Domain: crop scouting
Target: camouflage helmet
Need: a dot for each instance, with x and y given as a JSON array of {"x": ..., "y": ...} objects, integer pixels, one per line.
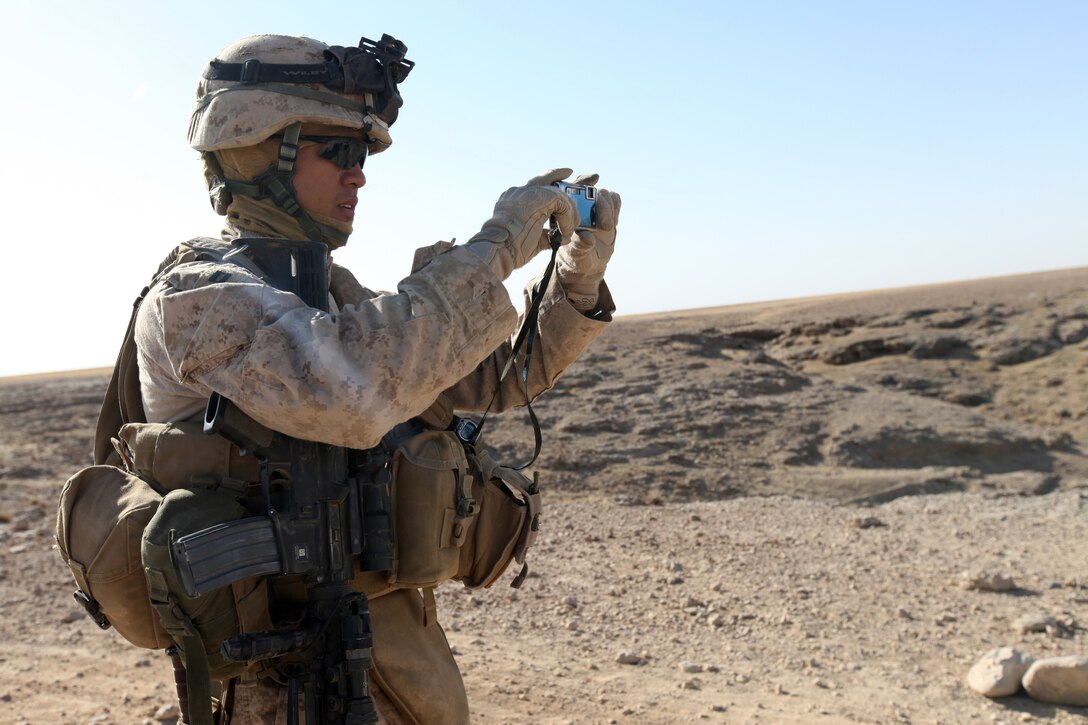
[
  {"x": 262, "y": 84},
  {"x": 265, "y": 88}
]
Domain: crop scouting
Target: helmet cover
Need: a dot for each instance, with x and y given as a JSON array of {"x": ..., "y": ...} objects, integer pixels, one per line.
[{"x": 259, "y": 85}]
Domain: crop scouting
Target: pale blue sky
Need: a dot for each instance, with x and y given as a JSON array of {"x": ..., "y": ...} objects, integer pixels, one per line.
[{"x": 763, "y": 149}]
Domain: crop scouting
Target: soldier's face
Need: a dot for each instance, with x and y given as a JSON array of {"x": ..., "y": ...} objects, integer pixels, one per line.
[{"x": 322, "y": 187}]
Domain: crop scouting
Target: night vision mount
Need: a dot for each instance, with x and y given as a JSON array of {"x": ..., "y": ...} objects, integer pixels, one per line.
[{"x": 373, "y": 68}]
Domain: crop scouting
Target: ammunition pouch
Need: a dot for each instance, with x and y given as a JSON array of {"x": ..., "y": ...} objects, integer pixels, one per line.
[
  {"x": 114, "y": 531},
  {"x": 433, "y": 509},
  {"x": 458, "y": 514},
  {"x": 200, "y": 624}
]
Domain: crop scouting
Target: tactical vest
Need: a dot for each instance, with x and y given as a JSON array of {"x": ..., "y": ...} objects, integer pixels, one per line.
[{"x": 455, "y": 514}]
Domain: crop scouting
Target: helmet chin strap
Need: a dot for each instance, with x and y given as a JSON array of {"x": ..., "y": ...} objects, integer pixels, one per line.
[{"x": 275, "y": 184}]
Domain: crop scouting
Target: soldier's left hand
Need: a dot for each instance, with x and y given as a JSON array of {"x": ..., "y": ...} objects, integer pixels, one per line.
[{"x": 580, "y": 265}]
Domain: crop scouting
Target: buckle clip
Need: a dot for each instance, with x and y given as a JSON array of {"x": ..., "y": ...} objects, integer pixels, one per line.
[
  {"x": 92, "y": 608},
  {"x": 467, "y": 507},
  {"x": 251, "y": 70}
]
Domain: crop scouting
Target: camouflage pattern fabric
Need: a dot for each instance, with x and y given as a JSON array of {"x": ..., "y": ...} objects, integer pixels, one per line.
[
  {"x": 228, "y": 114},
  {"x": 348, "y": 377},
  {"x": 264, "y": 702},
  {"x": 259, "y": 702}
]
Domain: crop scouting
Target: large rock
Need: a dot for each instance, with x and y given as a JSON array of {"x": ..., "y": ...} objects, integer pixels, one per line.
[
  {"x": 865, "y": 349},
  {"x": 999, "y": 672},
  {"x": 1016, "y": 350},
  {"x": 1072, "y": 332},
  {"x": 1059, "y": 681},
  {"x": 1034, "y": 622},
  {"x": 987, "y": 581}
]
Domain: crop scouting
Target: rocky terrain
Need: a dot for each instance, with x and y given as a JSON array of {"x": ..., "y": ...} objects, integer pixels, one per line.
[{"x": 821, "y": 510}]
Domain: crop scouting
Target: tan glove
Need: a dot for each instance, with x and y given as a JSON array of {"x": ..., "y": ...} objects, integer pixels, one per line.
[
  {"x": 516, "y": 231},
  {"x": 580, "y": 264}
]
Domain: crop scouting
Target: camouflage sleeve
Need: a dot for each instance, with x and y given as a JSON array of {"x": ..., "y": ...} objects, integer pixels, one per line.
[
  {"x": 343, "y": 378},
  {"x": 563, "y": 333}
]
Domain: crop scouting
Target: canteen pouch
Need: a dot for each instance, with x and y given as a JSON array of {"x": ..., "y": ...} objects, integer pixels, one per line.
[
  {"x": 505, "y": 527},
  {"x": 433, "y": 509},
  {"x": 100, "y": 523}
]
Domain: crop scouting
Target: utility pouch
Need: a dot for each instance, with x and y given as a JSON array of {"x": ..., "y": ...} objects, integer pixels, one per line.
[
  {"x": 100, "y": 522},
  {"x": 179, "y": 455},
  {"x": 104, "y": 510},
  {"x": 199, "y": 624},
  {"x": 505, "y": 527},
  {"x": 433, "y": 509}
]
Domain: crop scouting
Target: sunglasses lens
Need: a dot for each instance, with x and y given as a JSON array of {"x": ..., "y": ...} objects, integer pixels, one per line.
[{"x": 345, "y": 153}]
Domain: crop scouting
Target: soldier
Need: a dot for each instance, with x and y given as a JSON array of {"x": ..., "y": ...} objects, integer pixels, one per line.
[{"x": 284, "y": 159}]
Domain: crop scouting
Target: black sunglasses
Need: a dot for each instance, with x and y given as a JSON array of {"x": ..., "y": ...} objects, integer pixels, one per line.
[{"x": 343, "y": 151}]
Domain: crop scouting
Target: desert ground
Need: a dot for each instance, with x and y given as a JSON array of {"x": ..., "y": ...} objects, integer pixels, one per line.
[{"x": 769, "y": 513}]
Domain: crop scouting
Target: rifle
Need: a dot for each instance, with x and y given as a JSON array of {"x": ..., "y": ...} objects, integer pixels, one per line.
[{"x": 324, "y": 508}]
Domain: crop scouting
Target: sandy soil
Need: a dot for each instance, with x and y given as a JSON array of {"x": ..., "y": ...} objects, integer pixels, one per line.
[{"x": 770, "y": 508}]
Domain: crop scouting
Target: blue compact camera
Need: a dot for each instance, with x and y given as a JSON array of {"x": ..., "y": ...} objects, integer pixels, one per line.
[{"x": 585, "y": 197}]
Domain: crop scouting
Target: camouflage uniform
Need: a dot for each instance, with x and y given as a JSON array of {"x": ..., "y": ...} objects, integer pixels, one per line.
[{"x": 345, "y": 377}]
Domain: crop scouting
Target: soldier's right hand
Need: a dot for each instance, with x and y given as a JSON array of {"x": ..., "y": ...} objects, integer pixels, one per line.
[{"x": 516, "y": 231}]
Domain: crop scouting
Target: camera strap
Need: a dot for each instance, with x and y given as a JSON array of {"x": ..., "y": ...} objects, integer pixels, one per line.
[{"x": 526, "y": 336}]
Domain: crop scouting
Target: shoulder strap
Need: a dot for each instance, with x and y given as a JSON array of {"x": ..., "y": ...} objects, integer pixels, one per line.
[{"x": 122, "y": 403}]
